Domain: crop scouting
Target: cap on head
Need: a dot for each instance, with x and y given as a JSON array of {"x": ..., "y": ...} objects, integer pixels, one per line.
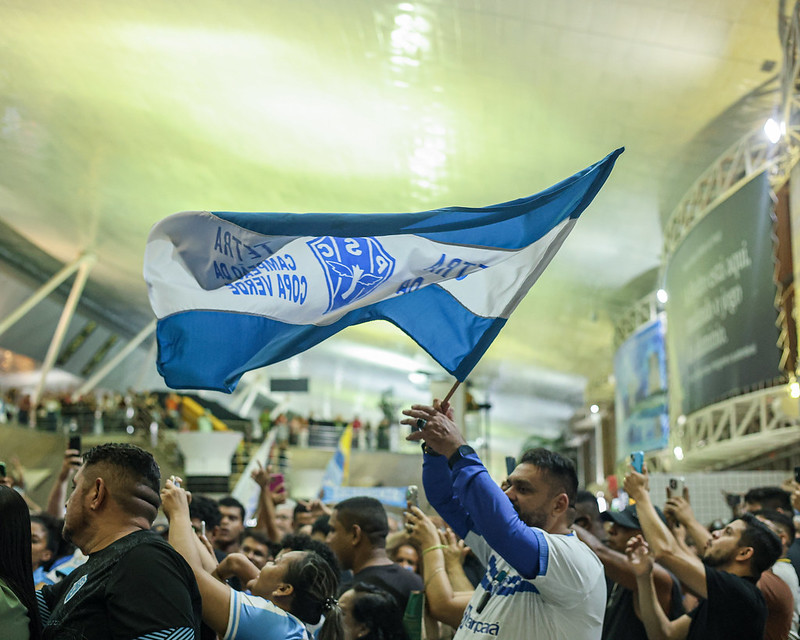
[{"x": 628, "y": 517}]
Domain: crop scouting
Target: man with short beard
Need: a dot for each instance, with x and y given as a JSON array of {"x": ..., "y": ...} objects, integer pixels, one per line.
[
  {"x": 541, "y": 581},
  {"x": 733, "y": 559},
  {"x": 134, "y": 584}
]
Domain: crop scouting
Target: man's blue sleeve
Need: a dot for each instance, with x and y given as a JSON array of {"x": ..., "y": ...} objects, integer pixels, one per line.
[
  {"x": 494, "y": 518},
  {"x": 439, "y": 492}
]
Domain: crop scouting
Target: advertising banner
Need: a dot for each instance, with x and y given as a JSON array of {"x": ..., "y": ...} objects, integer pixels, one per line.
[
  {"x": 640, "y": 369},
  {"x": 722, "y": 333}
]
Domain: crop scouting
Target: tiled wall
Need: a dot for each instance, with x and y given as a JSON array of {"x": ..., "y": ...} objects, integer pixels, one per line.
[{"x": 705, "y": 489}]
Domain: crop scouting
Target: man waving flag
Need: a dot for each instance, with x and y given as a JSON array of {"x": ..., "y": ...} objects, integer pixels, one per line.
[{"x": 239, "y": 291}]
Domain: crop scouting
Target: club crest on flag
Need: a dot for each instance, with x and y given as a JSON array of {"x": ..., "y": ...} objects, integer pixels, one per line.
[{"x": 353, "y": 267}]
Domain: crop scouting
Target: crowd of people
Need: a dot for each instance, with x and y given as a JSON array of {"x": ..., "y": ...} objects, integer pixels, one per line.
[{"x": 130, "y": 554}]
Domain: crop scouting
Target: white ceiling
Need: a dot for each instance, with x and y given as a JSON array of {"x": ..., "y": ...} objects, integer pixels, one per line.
[{"x": 113, "y": 116}]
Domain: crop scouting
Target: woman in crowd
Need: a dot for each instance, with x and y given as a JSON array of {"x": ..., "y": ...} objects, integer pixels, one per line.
[
  {"x": 370, "y": 613},
  {"x": 403, "y": 551},
  {"x": 296, "y": 590},
  {"x": 19, "y": 615}
]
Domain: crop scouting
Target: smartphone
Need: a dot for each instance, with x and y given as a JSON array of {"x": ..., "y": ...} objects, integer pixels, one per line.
[
  {"x": 511, "y": 464},
  {"x": 797, "y": 474},
  {"x": 202, "y": 527},
  {"x": 2, "y": 469},
  {"x": 733, "y": 499},
  {"x": 637, "y": 460},
  {"x": 412, "y": 495},
  {"x": 275, "y": 480},
  {"x": 676, "y": 486},
  {"x": 75, "y": 442}
]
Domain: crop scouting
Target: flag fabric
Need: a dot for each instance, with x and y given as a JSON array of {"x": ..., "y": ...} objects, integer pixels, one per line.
[
  {"x": 337, "y": 473},
  {"x": 239, "y": 291}
]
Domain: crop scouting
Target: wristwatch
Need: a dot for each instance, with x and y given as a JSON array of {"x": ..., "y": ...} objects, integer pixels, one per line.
[{"x": 460, "y": 453}]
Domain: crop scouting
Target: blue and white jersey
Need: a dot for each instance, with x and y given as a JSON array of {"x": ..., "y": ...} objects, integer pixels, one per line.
[
  {"x": 543, "y": 586},
  {"x": 254, "y": 618},
  {"x": 566, "y": 600}
]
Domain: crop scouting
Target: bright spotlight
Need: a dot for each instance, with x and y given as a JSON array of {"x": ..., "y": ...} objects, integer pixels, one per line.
[
  {"x": 594, "y": 409},
  {"x": 417, "y": 377},
  {"x": 772, "y": 130},
  {"x": 678, "y": 451},
  {"x": 662, "y": 296},
  {"x": 794, "y": 389}
]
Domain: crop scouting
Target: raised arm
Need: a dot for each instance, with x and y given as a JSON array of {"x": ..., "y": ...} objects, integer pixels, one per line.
[
  {"x": 436, "y": 478},
  {"x": 489, "y": 512},
  {"x": 618, "y": 568},
  {"x": 58, "y": 493},
  {"x": 655, "y": 621},
  {"x": 680, "y": 509},
  {"x": 265, "y": 513},
  {"x": 215, "y": 594},
  {"x": 445, "y": 604},
  {"x": 662, "y": 544}
]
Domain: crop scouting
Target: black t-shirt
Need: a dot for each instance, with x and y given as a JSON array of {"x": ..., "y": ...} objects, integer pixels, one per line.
[
  {"x": 734, "y": 608},
  {"x": 622, "y": 623},
  {"x": 137, "y": 586},
  {"x": 393, "y": 578}
]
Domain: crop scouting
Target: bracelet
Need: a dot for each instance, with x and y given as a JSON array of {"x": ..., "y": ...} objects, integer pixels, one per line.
[
  {"x": 430, "y": 577},
  {"x": 434, "y": 547}
]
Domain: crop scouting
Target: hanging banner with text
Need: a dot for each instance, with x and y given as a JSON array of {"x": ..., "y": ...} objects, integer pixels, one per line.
[
  {"x": 722, "y": 337},
  {"x": 640, "y": 370}
]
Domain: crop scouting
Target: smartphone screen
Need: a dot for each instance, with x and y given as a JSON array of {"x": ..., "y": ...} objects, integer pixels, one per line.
[
  {"x": 75, "y": 442},
  {"x": 412, "y": 495},
  {"x": 275, "y": 480}
]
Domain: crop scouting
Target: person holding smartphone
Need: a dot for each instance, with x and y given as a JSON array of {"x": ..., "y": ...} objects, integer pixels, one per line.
[
  {"x": 725, "y": 578},
  {"x": 134, "y": 584},
  {"x": 541, "y": 581}
]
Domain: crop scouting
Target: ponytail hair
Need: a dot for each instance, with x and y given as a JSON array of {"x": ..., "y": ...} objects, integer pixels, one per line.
[{"x": 315, "y": 584}]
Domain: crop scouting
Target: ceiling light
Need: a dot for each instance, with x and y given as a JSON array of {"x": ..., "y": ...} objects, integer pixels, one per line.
[
  {"x": 773, "y": 130},
  {"x": 794, "y": 388},
  {"x": 678, "y": 452},
  {"x": 405, "y": 6},
  {"x": 594, "y": 409},
  {"x": 417, "y": 377},
  {"x": 662, "y": 296}
]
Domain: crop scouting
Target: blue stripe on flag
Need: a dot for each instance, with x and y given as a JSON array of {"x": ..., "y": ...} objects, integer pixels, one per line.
[
  {"x": 502, "y": 226},
  {"x": 212, "y": 349}
]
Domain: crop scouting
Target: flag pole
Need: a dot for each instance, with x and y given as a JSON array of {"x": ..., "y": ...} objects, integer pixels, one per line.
[{"x": 451, "y": 392}]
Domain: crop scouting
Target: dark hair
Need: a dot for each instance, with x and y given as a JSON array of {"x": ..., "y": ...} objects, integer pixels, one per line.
[
  {"x": 300, "y": 508},
  {"x": 257, "y": 535},
  {"x": 560, "y": 470},
  {"x": 135, "y": 479},
  {"x": 770, "y": 498},
  {"x": 322, "y": 525},
  {"x": 302, "y": 542},
  {"x": 780, "y": 520},
  {"x": 315, "y": 585},
  {"x": 15, "y": 555},
  {"x": 767, "y": 547},
  {"x": 379, "y": 612},
  {"x": 206, "y": 510},
  {"x": 53, "y": 532},
  {"x": 230, "y": 501},
  {"x": 369, "y": 514}
]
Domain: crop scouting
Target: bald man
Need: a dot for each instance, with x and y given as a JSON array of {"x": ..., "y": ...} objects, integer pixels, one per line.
[{"x": 134, "y": 584}]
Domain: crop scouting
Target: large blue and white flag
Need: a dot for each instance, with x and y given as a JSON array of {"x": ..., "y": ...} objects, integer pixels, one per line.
[{"x": 238, "y": 291}]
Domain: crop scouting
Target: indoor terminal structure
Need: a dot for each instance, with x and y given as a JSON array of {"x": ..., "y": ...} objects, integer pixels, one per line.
[{"x": 665, "y": 324}]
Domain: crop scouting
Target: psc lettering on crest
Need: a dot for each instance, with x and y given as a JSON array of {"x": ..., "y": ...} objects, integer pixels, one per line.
[{"x": 354, "y": 267}]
